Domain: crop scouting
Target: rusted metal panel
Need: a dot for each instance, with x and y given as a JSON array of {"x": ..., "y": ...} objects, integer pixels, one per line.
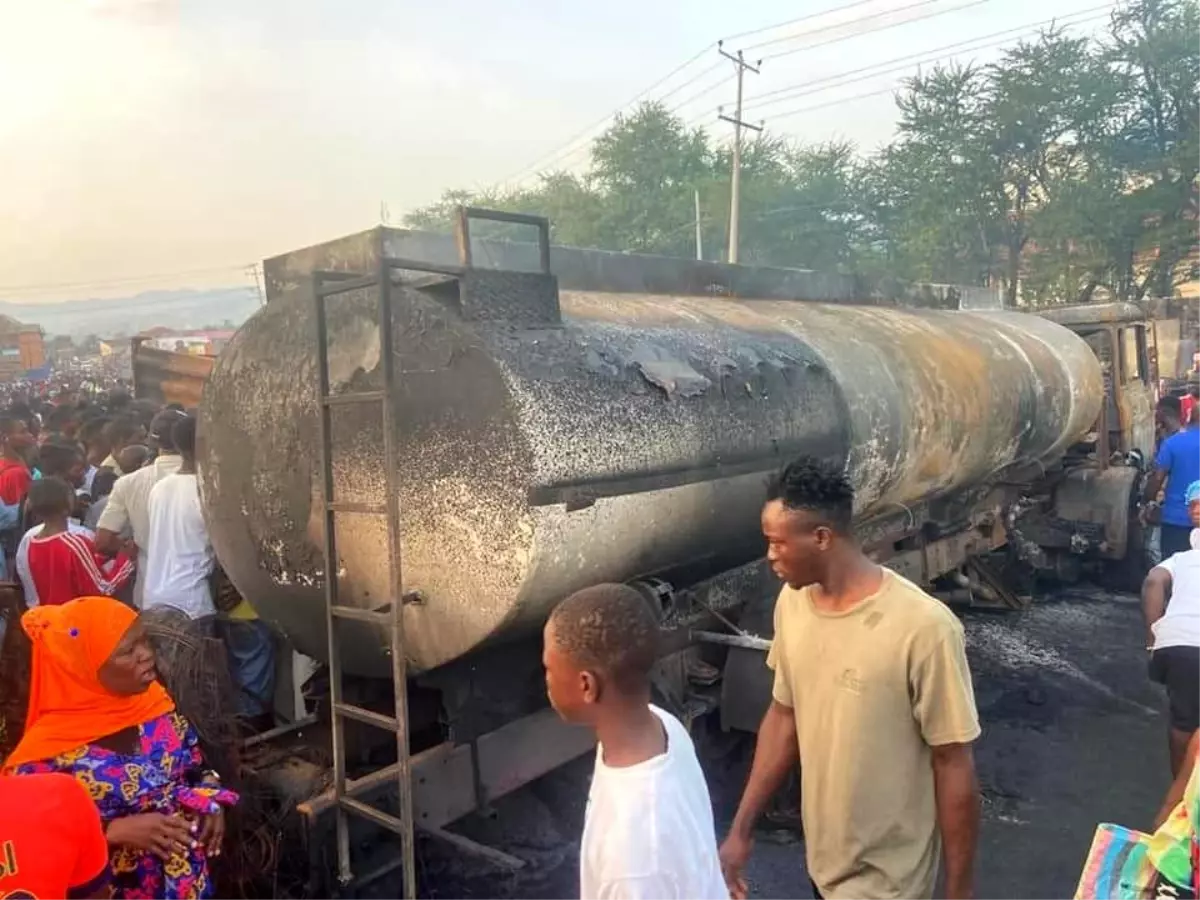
[
  {"x": 658, "y": 416},
  {"x": 443, "y": 781},
  {"x": 1102, "y": 497},
  {"x": 1094, "y": 314},
  {"x": 1167, "y": 340},
  {"x": 581, "y": 269},
  {"x": 165, "y": 377}
]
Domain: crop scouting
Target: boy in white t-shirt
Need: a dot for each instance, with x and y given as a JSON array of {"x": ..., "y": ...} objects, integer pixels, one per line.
[{"x": 649, "y": 829}]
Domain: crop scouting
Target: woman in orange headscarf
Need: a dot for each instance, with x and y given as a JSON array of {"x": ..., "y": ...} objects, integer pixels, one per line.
[{"x": 97, "y": 712}]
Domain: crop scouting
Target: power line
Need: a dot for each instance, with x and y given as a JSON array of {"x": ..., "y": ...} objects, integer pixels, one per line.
[
  {"x": 805, "y": 88},
  {"x": 683, "y": 104},
  {"x": 887, "y": 27},
  {"x": 572, "y": 144},
  {"x": 567, "y": 148},
  {"x": 804, "y": 109},
  {"x": 841, "y": 38},
  {"x": 816, "y": 15},
  {"x": 114, "y": 282},
  {"x": 791, "y": 37}
]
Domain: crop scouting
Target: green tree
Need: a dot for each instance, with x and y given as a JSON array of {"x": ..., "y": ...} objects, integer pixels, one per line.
[
  {"x": 1154, "y": 50},
  {"x": 933, "y": 202}
]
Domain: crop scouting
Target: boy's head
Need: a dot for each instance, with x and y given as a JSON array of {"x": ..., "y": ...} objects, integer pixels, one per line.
[
  {"x": 1170, "y": 412},
  {"x": 133, "y": 457},
  {"x": 600, "y": 645},
  {"x": 184, "y": 435},
  {"x": 51, "y": 499},
  {"x": 161, "y": 427},
  {"x": 60, "y": 459},
  {"x": 122, "y": 432},
  {"x": 102, "y": 483}
]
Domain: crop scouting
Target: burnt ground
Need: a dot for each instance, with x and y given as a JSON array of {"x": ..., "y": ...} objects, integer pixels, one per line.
[{"x": 1074, "y": 734}]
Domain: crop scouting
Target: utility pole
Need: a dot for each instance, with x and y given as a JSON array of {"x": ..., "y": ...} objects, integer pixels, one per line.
[
  {"x": 699, "y": 245},
  {"x": 252, "y": 272},
  {"x": 735, "y": 184}
]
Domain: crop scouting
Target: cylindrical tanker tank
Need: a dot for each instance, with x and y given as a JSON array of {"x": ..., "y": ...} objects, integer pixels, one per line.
[{"x": 631, "y": 438}]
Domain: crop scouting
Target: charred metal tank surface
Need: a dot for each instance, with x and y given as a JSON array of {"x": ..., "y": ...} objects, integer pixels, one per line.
[{"x": 629, "y": 436}]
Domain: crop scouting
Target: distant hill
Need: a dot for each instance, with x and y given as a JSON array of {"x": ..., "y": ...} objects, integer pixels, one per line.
[{"x": 129, "y": 315}]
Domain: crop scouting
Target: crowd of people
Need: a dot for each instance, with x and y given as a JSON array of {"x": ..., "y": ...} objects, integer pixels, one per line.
[{"x": 101, "y": 526}]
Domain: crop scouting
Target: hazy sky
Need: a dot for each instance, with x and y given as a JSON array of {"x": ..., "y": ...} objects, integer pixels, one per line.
[{"x": 190, "y": 138}]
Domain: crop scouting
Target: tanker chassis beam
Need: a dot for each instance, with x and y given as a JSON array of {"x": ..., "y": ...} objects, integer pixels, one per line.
[{"x": 444, "y": 782}]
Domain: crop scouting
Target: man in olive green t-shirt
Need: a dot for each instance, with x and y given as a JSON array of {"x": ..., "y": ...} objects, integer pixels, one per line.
[{"x": 873, "y": 693}]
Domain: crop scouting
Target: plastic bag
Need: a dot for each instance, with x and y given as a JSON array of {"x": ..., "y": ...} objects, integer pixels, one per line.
[{"x": 1123, "y": 864}]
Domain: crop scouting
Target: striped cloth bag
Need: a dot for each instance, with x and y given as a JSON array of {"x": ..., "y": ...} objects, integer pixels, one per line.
[{"x": 1124, "y": 864}]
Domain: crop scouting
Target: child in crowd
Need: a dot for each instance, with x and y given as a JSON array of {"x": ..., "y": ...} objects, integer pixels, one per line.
[
  {"x": 649, "y": 827},
  {"x": 57, "y": 560}
]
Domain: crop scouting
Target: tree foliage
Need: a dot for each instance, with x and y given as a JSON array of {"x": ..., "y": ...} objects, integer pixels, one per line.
[{"x": 1065, "y": 171}]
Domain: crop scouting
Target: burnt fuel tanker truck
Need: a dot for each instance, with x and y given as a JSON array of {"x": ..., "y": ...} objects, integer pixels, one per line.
[{"x": 561, "y": 418}]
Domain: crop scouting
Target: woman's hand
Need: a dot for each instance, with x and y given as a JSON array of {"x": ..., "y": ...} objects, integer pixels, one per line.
[
  {"x": 164, "y": 836},
  {"x": 212, "y": 832}
]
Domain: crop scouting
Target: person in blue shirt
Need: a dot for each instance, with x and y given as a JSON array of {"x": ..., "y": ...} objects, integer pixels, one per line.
[{"x": 1178, "y": 465}]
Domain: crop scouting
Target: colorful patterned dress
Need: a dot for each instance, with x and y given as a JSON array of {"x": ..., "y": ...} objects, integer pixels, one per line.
[{"x": 164, "y": 776}]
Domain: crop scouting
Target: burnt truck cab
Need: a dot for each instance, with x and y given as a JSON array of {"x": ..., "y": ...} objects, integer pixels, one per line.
[
  {"x": 1093, "y": 515},
  {"x": 1122, "y": 337}
]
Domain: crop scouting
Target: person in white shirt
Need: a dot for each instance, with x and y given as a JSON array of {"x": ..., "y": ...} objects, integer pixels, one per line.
[
  {"x": 128, "y": 509},
  {"x": 180, "y": 557},
  {"x": 648, "y": 831},
  {"x": 1173, "y": 633}
]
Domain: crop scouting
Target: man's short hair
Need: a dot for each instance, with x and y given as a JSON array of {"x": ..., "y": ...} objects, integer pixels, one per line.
[
  {"x": 8, "y": 424},
  {"x": 60, "y": 418},
  {"x": 609, "y": 629},
  {"x": 50, "y": 497},
  {"x": 162, "y": 426},
  {"x": 815, "y": 486},
  {"x": 90, "y": 429},
  {"x": 1171, "y": 405},
  {"x": 132, "y": 457},
  {"x": 121, "y": 430},
  {"x": 184, "y": 435},
  {"x": 102, "y": 483},
  {"x": 55, "y": 457}
]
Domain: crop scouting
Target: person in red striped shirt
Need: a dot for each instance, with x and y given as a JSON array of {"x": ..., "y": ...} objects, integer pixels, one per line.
[{"x": 57, "y": 561}]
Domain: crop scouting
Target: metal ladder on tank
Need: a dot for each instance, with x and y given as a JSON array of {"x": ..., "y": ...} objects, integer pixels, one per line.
[{"x": 326, "y": 285}]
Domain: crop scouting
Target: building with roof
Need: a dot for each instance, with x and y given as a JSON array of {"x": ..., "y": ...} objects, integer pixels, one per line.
[{"x": 22, "y": 347}]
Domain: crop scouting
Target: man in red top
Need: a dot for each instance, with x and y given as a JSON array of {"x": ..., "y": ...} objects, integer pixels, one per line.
[
  {"x": 51, "y": 840},
  {"x": 58, "y": 562},
  {"x": 15, "y": 439}
]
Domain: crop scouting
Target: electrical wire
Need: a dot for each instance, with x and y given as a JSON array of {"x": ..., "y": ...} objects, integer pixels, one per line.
[
  {"x": 567, "y": 148},
  {"x": 806, "y": 88},
  {"x": 804, "y": 18},
  {"x": 573, "y": 144},
  {"x": 115, "y": 282},
  {"x": 791, "y": 37},
  {"x": 886, "y": 27}
]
